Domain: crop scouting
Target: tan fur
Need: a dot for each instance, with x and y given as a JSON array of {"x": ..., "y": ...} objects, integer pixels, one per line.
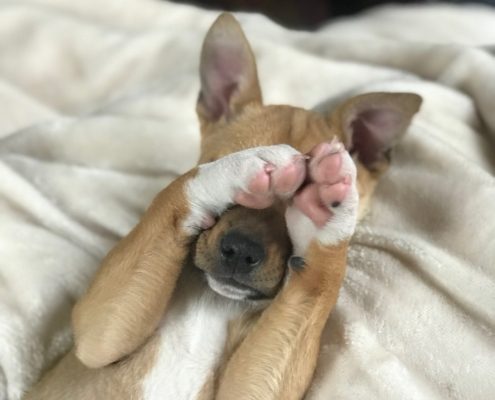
[
  {"x": 277, "y": 359},
  {"x": 268, "y": 355},
  {"x": 70, "y": 379},
  {"x": 129, "y": 294}
]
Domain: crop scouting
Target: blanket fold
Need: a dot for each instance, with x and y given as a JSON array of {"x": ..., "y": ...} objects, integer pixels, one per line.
[{"x": 98, "y": 116}]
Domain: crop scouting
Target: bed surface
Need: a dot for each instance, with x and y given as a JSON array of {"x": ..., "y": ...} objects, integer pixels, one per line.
[{"x": 98, "y": 115}]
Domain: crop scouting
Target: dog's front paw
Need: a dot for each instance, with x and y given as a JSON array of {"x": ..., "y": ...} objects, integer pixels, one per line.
[
  {"x": 252, "y": 178},
  {"x": 326, "y": 208}
]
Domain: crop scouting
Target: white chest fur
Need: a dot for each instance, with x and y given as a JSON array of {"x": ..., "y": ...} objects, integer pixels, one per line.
[{"x": 192, "y": 339}]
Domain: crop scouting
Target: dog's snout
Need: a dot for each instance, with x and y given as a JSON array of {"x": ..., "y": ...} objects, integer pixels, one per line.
[{"x": 241, "y": 253}]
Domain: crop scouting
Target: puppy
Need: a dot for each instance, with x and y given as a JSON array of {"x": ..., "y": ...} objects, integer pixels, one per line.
[{"x": 197, "y": 302}]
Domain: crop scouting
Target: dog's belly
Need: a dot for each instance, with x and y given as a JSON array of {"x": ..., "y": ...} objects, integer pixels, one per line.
[{"x": 191, "y": 341}]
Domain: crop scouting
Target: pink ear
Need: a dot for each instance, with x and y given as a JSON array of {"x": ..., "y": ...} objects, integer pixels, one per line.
[
  {"x": 374, "y": 132},
  {"x": 228, "y": 71},
  {"x": 374, "y": 122}
]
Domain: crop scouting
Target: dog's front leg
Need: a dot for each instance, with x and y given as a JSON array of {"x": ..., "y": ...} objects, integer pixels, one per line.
[
  {"x": 129, "y": 295},
  {"x": 278, "y": 357}
]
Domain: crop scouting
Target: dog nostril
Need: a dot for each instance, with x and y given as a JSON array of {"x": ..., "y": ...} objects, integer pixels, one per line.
[
  {"x": 253, "y": 261},
  {"x": 227, "y": 251}
]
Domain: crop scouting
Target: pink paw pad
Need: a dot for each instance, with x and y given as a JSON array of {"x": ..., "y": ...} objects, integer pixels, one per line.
[
  {"x": 328, "y": 186},
  {"x": 272, "y": 182}
]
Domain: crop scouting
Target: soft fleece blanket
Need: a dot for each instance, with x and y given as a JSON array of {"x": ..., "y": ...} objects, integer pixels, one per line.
[{"x": 97, "y": 115}]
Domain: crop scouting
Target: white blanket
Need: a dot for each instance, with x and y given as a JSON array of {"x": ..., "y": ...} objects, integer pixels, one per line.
[{"x": 97, "y": 115}]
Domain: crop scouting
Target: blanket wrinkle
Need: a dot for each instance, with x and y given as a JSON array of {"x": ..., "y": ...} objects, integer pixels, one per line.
[
  {"x": 433, "y": 277},
  {"x": 76, "y": 211},
  {"x": 86, "y": 220},
  {"x": 99, "y": 115},
  {"x": 439, "y": 262},
  {"x": 371, "y": 361},
  {"x": 42, "y": 211},
  {"x": 453, "y": 65}
]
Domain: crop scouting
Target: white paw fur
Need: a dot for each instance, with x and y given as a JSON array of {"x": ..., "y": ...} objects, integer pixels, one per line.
[
  {"x": 213, "y": 189},
  {"x": 338, "y": 228}
]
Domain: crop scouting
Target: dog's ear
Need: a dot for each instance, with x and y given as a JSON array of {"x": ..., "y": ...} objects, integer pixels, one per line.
[
  {"x": 372, "y": 123},
  {"x": 229, "y": 79}
]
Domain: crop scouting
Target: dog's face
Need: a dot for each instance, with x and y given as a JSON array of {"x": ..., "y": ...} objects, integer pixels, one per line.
[{"x": 244, "y": 255}]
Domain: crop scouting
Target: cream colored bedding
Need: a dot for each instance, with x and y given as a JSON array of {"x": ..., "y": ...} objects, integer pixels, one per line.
[{"x": 97, "y": 115}]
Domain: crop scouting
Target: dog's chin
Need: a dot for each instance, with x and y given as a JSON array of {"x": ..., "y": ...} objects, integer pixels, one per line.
[{"x": 234, "y": 290}]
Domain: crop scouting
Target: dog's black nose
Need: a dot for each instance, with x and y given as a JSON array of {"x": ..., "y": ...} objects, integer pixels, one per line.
[{"x": 240, "y": 253}]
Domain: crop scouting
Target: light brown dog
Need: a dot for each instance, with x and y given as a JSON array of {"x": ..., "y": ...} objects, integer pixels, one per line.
[{"x": 152, "y": 327}]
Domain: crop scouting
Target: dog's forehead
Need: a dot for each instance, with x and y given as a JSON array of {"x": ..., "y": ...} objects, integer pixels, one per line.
[
  {"x": 262, "y": 222},
  {"x": 262, "y": 126},
  {"x": 259, "y": 123}
]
